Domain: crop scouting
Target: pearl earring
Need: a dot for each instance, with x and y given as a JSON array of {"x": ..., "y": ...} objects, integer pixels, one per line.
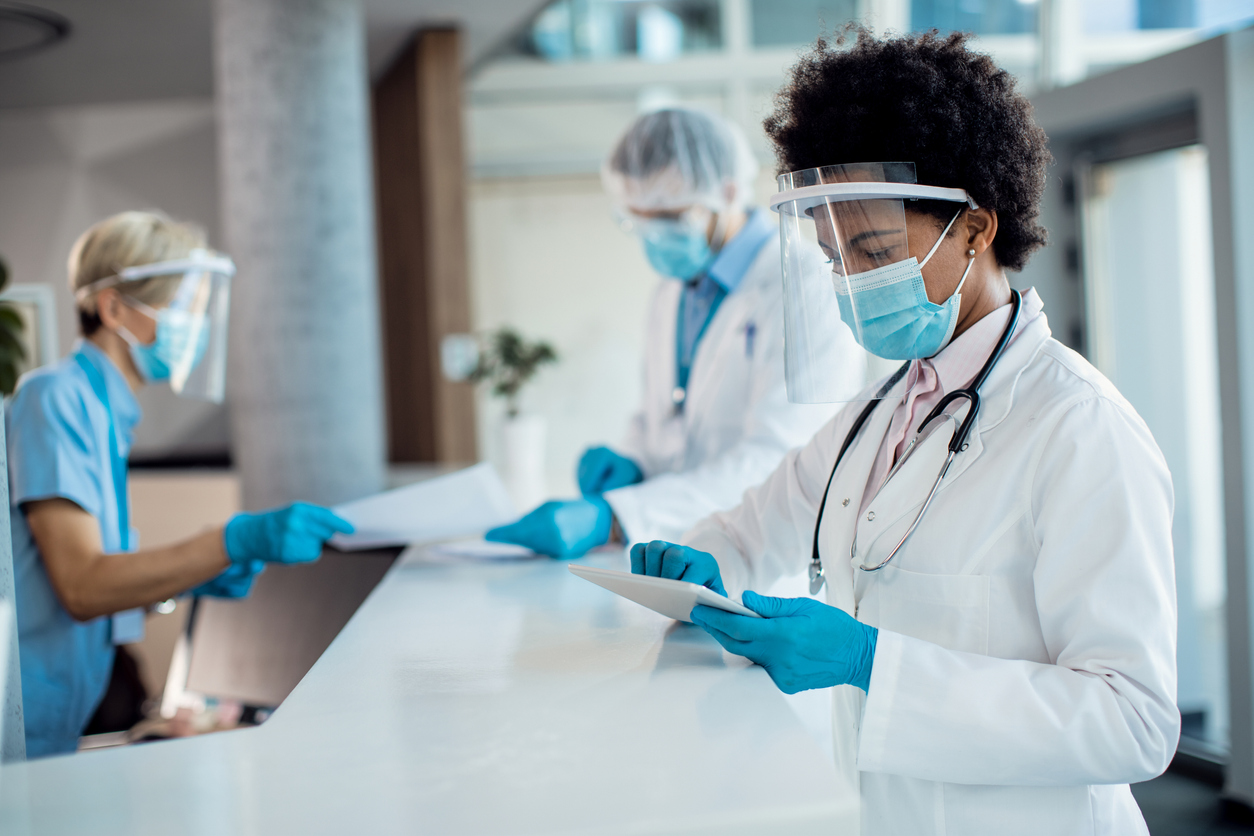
[{"x": 971, "y": 253}]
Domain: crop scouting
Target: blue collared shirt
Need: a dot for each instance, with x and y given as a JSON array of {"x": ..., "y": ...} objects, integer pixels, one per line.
[
  {"x": 701, "y": 297},
  {"x": 58, "y": 444}
]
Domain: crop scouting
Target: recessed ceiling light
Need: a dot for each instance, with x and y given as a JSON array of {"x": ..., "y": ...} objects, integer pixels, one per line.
[{"x": 26, "y": 29}]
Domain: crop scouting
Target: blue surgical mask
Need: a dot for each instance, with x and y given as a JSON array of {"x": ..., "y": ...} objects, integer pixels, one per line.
[
  {"x": 176, "y": 331},
  {"x": 677, "y": 250},
  {"x": 888, "y": 310}
]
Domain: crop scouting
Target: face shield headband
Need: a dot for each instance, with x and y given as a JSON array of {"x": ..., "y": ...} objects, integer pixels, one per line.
[
  {"x": 847, "y": 265},
  {"x": 191, "y": 321}
]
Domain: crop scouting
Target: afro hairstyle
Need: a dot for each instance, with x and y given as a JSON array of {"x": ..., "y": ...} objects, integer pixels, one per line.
[{"x": 928, "y": 99}]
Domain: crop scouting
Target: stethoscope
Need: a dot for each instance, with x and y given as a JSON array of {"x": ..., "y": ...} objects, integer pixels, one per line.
[{"x": 957, "y": 444}]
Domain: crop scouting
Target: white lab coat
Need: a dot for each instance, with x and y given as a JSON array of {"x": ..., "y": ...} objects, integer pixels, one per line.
[
  {"x": 737, "y": 423},
  {"x": 1025, "y": 668}
]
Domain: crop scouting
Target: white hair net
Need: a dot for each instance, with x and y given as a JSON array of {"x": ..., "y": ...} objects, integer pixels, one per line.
[{"x": 672, "y": 159}]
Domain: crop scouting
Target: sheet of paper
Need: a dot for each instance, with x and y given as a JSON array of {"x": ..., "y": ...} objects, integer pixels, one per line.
[
  {"x": 460, "y": 504},
  {"x": 482, "y": 550}
]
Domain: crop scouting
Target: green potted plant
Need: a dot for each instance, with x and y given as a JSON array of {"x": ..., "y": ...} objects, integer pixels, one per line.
[
  {"x": 507, "y": 362},
  {"x": 12, "y": 343}
]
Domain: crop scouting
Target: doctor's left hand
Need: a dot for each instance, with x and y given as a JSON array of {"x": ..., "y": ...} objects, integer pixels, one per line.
[
  {"x": 561, "y": 528},
  {"x": 601, "y": 470},
  {"x": 801, "y": 642},
  {"x": 235, "y": 582}
]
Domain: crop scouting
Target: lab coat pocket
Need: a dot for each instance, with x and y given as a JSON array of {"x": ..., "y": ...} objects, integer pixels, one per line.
[{"x": 948, "y": 610}]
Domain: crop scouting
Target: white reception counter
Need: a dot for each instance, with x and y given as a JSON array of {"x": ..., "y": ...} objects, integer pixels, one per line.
[{"x": 474, "y": 698}]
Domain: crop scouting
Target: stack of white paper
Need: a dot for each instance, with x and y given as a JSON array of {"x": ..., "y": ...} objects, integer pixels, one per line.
[{"x": 460, "y": 504}]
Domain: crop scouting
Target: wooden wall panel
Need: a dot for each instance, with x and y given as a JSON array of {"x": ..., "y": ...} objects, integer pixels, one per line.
[{"x": 423, "y": 266}]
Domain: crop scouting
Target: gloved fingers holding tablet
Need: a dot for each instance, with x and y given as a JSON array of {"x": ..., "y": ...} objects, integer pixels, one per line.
[{"x": 661, "y": 559}]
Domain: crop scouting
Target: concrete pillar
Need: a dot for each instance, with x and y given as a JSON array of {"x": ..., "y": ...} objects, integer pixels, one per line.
[{"x": 304, "y": 380}]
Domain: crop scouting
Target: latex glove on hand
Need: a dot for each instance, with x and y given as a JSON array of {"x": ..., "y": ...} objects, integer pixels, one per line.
[
  {"x": 661, "y": 559},
  {"x": 294, "y": 534},
  {"x": 563, "y": 528},
  {"x": 601, "y": 470},
  {"x": 235, "y": 582},
  {"x": 801, "y": 642}
]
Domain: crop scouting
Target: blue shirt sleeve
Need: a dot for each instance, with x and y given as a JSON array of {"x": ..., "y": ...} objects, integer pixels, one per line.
[{"x": 53, "y": 444}]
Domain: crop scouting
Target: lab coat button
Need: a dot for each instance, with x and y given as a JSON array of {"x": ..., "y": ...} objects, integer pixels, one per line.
[
  {"x": 845, "y": 502},
  {"x": 678, "y": 395},
  {"x": 870, "y": 516}
]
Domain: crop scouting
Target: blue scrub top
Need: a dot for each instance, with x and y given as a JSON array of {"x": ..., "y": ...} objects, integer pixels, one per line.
[{"x": 58, "y": 443}]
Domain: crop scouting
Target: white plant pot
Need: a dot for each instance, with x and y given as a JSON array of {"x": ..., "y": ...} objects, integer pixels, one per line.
[{"x": 523, "y": 440}]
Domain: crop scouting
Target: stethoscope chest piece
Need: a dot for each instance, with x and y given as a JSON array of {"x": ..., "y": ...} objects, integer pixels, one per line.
[{"x": 816, "y": 577}]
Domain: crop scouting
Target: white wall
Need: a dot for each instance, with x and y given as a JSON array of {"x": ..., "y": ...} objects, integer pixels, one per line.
[
  {"x": 548, "y": 259},
  {"x": 63, "y": 168}
]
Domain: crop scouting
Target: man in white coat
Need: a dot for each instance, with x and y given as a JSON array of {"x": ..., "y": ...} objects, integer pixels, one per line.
[
  {"x": 715, "y": 417},
  {"x": 999, "y": 633}
]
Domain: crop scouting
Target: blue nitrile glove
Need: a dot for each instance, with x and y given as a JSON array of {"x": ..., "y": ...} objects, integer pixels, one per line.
[
  {"x": 235, "y": 582},
  {"x": 661, "y": 559},
  {"x": 601, "y": 470},
  {"x": 561, "y": 528},
  {"x": 294, "y": 534},
  {"x": 802, "y": 643}
]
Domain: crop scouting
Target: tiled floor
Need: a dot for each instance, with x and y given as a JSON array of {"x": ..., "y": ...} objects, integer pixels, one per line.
[{"x": 1178, "y": 806}]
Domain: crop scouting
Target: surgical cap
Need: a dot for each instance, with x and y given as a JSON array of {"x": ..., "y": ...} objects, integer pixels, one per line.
[{"x": 671, "y": 159}]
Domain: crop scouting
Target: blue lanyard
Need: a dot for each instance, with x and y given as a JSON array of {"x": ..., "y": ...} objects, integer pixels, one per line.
[
  {"x": 116, "y": 460},
  {"x": 683, "y": 366}
]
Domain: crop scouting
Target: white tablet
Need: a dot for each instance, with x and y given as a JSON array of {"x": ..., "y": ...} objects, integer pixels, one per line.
[{"x": 674, "y": 599}]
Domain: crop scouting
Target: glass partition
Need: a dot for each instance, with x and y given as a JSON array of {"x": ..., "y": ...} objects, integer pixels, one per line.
[{"x": 1149, "y": 277}]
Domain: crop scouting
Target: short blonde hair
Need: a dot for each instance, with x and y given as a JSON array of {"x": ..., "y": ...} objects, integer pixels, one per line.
[{"x": 129, "y": 239}]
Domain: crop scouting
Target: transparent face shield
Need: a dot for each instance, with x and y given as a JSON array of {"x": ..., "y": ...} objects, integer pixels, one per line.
[
  {"x": 189, "y": 299},
  {"x": 847, "y": 263}
]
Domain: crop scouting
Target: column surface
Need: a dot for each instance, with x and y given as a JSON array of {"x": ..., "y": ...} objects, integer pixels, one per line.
[{"x": 304, "y": 377}]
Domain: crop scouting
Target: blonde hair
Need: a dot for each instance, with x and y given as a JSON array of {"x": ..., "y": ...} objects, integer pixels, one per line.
[{"x": 129, "y": 239}]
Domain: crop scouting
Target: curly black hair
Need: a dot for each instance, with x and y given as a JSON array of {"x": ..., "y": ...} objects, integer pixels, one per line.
[{"x": 927, "y": 99}]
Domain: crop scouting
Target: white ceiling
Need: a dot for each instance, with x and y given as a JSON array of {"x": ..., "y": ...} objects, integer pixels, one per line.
[{"x": 128, "y": 50}]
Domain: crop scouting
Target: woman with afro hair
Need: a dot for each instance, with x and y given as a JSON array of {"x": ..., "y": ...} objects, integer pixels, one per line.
[{"x": 999, "y": 631}]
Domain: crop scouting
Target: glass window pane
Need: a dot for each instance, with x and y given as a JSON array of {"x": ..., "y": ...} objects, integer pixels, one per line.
[
  {"x": 983, "y": 17},
  {"x": 659, "y": 30},
  {"x": 1165, "y": 14},
  {"x": 795, "y": 22},
  {"x": 1131, "y": 15},
  {"x": 1215, "y": 13}
]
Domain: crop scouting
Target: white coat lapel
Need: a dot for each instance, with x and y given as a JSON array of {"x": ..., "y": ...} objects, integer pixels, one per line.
[
  {"x": 845, "y": 498},
  {"x": 670, "y": 437},
  {"x": 901, "y": 497},
  {"x": 714, "y": 355},
  {"x": 894, "y": 507}
]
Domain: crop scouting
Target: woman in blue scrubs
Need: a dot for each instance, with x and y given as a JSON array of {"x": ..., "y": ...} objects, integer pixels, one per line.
[{"x": 152, "y": 305}]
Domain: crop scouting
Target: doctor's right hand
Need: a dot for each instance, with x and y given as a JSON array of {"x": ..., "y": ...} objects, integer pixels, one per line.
[
  {"x": 601, "y": 470},
  {"x": 294, "y": 534},
  {"x": 661, "y": 559}
]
